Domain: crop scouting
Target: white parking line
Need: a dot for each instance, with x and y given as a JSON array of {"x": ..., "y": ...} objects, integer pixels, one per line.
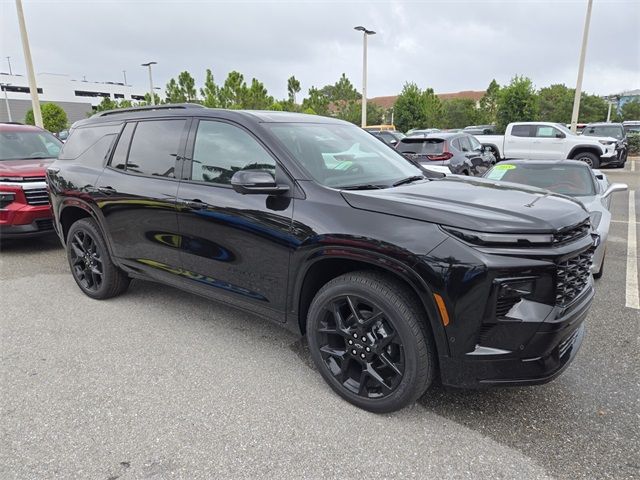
[{"x": 632, "y": 291}]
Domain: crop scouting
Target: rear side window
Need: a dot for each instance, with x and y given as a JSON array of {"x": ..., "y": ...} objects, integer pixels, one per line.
[
  {"x": 423, "y": 146},
  {"x": 465, "y": 144},
  {"x": 521, "y": 130},
  {"x": 154, "y": 147},
  {"x": 91, "y": 143}
]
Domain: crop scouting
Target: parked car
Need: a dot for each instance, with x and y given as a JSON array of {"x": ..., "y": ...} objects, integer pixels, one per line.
[
  {"x": 631, "y": 126},
  {"x": 480, "y": 129},
  {"x": 579, "y": 127},
  {"x": 461, "y": 153},
  {"x": 25, "y": 152},
  {"x": 390, "y": 137},
  {"x": 574, "y": 179},
  {"x": 613, "y": 130},
  {"x": 422, "y": 131},
  {"x": 550, "y": 141},
  {"x": 393, "y": 277}
]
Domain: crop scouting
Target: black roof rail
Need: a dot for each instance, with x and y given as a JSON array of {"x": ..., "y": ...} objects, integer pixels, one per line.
[{"x": 149, "y": 108}]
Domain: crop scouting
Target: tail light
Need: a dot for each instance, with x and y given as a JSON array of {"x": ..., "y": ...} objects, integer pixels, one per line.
[{"x": 445, "y": 155}]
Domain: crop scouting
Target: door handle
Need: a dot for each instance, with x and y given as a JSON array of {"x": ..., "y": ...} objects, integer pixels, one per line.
[
  {"x": 195, "y": 204},
  {"x": 107, "y": 190}
]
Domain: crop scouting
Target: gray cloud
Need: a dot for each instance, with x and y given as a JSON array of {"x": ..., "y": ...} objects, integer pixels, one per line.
[{"x": 450, "y": 46}]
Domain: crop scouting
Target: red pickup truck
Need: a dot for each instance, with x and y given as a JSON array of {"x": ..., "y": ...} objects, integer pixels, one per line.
[{"x": 25, "y": 153}]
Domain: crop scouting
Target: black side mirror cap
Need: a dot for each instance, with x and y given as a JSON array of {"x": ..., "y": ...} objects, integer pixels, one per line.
[
  {"x": 560, "y": 135},
  {"x": 256, "y": 182}
]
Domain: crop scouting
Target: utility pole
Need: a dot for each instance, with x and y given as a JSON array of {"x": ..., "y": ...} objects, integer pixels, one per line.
[
  {"x": 6, "y": 99},
  {"x": 583, "y": 53},
  {"x": 33, "y": 88},
  {"x": 9, "y": 62},
  {"x": 365, "y": 34},
  {"x": 153, "y": 98},
  {"x": 124, "y": 73}
]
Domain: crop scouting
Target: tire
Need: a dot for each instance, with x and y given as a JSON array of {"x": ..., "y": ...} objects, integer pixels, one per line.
[
  {"x": 91, "y": 264},
  {"x": 384, "y": 358},
  {"x": 589, "y": 158}
]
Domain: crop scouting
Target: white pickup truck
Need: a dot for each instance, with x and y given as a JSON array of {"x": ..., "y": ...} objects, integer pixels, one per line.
[{"x": 550, "y": 141}]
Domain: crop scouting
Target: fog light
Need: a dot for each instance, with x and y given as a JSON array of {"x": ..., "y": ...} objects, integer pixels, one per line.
[{"x": 6, "y": 198}]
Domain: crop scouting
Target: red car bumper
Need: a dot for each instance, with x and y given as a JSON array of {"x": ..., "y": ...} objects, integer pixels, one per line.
[{"x": 24, "y": 212}]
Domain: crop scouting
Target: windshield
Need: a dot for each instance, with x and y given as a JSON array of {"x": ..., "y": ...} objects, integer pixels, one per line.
[
  {"x": 572, "y": 180},
  {"x": 25, "y": 145},
  {"x": 340, "y": 156},
  {"x": 614, "y": 131}
]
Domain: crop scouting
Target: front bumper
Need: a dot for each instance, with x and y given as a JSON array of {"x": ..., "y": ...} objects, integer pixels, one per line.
[
  {"x": 20, "y": 218},
  {"x": 610, "y": 156},
  {"x": 550, "y": 352}
]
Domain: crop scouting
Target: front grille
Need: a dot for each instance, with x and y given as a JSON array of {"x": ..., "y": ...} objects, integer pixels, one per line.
[
  {"x": 572, "y": 276},
  {"x": 572, "y": 233},
  {"x": 37, "y": 196},
  {"x": 45, "y": 224},
  {"x": 33, "y": 179}
]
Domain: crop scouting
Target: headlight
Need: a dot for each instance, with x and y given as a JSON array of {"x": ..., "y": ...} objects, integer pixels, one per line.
[
  {"x": 607, "y": 142},
  {"x": 494, "y": 239},
  {"x": 6, "y": 198},
  {"x": 595, "y": 219}
]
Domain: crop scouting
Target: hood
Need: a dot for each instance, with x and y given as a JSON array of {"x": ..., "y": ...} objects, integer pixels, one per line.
[
  {"x": 474, "y": 204},
  {"x": 25, "y": 168}
]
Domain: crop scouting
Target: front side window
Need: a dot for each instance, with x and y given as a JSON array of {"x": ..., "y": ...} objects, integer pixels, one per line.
[
  {"x": 544, "y": 131},
  {"x": 345, "y": 156},
  {"x": 222, "y": 149},
  {"x": 475, "y": 144},
  {"x": 154, "y": 147}
]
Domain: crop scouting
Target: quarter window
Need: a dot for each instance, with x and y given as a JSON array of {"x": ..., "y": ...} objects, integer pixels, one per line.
[
  {"x": 155, "y": 147},
  {"x": 222, "y": 149}
]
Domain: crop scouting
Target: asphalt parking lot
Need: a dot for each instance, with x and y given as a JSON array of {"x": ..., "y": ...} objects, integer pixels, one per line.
[{"x": 162, "y": 384}]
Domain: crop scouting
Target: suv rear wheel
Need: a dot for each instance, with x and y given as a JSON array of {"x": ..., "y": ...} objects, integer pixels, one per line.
[
  {"x": 90, "y": 263},
  {"x": 367, "y": 338}
]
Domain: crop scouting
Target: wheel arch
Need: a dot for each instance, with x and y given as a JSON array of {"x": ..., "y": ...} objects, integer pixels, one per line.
[
  {"x": 72, "y": 210},
  {"x": 578, "y": 149},
  {"x": 319, "y": 271}
]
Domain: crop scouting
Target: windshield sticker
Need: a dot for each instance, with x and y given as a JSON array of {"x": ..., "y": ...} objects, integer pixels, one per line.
[
  {"x": 343, "y": 165},
  {"x": 499, "y": 171}
]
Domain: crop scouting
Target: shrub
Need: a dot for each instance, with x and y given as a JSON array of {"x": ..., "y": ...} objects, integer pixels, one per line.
[{"x": 634, "y": 143}]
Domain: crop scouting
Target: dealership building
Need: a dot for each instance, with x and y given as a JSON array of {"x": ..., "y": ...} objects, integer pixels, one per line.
[{"x": 76, "y": 97}]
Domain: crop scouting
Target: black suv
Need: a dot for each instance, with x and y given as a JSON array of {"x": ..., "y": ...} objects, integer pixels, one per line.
[
  {"x": 613, "y": 130},
  {"x": 395, "y": 278}
]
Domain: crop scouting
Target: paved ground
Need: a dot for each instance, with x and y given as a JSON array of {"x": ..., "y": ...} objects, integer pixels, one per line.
[{"x": 161, "y": 384}]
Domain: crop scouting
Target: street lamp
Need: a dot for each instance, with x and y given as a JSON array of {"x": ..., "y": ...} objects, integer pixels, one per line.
[
  {"x": 6, "y": 99},
  {"x": 583, "y": 53},
  {"x": 365, "y": 34},
  {"x": 153, "y": 98}
]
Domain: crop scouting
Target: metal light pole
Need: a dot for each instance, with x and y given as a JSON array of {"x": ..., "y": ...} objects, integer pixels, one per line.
[
  {"x": 365, "y": 34},
  {"x": 124, "y": 73},
  {"x": 9, "y": 62},
  {"x": 33, "y": 88},
  {"x": 153, "y": 98},
  {"x": 583, "y": 53},
  {"x": 6, "y": 99}
]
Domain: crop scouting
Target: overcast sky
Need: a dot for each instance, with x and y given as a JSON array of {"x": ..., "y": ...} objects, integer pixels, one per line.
[{"x": 447, "y": 45}]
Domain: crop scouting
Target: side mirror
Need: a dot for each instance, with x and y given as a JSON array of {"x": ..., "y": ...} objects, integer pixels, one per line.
[
  {"x": 256, "y": 181},
  {"x": 615, "y": 187},
  {"x": 560, "y": 135}
]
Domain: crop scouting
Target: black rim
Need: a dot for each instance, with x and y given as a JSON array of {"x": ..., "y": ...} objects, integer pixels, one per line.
[
  {"x": 86, "y": 261},
  {"x": 360, "y": 347}
]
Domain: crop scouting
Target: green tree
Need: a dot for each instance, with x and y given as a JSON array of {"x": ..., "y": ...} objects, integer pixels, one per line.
[
  {"x": 489, "y": 104},
  {"x": 517, "y": 102},
  {"x": 54, "y": 117},
  {"x": 257, "y": 97},
  {"x": 105, "y": 104},
  {"x": 556, "y": 103},
  {"x": 459, "y": 113},
  {"x": 630, "y": 110},
  {"x": 187, "y": 85},
  {"x": 147, "y": 99},
  {"x": 174, "y": 92},
  {"x": 408, "y": 108},
  {"x": 233, "y": 93},
  {"x": 293, "y": 87},
  {"x": 432, "y": 107},
  {"x": 210, "y": 91},
  {"x": 592, "y": 108},
  {"x": 316, "y": 103},
  {"x": 352, "y": 112}
]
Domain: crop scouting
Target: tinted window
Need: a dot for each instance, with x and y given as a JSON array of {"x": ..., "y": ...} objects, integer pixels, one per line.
[
  {"x": 456, "y": 143},
  {"x": 544, "y": 131},
  {"x": 574, "y": 180},
  {"x": 154, "y": 147},
  {"x": 421, "y": 146},
  {"x": 614, "y": 131},
  {"x": 465, "y": 144},
  {"x": 119, "y": 159},
  {"x": 521, "y": 131},
  {"x": 222, "y": 149},
  {"x": 81, "y": 139}
]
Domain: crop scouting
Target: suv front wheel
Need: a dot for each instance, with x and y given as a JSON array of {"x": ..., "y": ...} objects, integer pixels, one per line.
[
  {"x": 368, "y": 339},
  {"x": 90, "y": 263}
]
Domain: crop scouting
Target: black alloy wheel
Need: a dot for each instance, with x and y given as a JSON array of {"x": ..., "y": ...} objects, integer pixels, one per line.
[
  {"x": 90, "y": 263},
  {"x": 369, "y": 338},
  {"x": 86, "y": 261},
  {"x": 360, "y": 346}
]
